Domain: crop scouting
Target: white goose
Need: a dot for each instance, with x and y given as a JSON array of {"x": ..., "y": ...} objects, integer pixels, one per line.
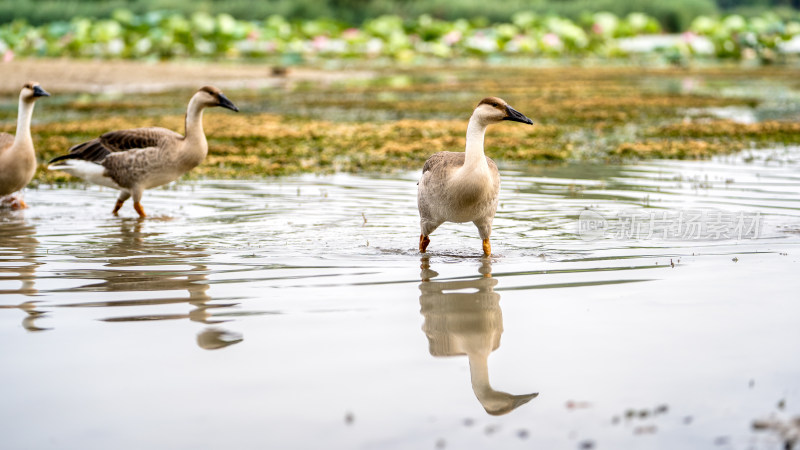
[
  {"x": 17, "y": 155},
  {"x": 464, "y": 186},
  {"x": 143, "y": 158}
]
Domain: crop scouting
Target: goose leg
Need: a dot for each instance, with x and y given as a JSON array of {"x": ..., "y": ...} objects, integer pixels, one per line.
[
  {"x": 137, "y": 205},
  {"x": 487, "y": 247},
  {"x": 427, "y": 226},
  {"x": 485, "y": 230},
  {"x": 123, "y": 196},
  {"x": 12, "y": 201},
  {"x": 423, "y": 243}
]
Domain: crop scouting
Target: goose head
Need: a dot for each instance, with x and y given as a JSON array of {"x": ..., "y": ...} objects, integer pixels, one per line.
[
  {"x": 493, "y": 110},
  {"x": 216, "y": 338},
  {"x": 212, "y": 96},
  {"x": 31, "y": 91}
]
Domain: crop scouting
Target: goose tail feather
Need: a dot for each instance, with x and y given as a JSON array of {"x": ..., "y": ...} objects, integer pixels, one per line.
[{"x": 87, "y": 170}]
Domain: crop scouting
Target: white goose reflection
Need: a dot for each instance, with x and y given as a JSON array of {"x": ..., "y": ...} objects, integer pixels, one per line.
[
  {"x": 459, "y": 321},
  {"x": 18, "y": 263}
]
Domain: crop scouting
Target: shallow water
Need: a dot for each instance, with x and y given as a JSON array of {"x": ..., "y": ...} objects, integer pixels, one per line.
[{"x": 297, "y": 313}]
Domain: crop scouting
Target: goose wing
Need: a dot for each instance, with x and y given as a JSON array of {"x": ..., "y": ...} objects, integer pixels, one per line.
[
  {"x": 440, "y": 164},
  {"x": 445, "y": 160},
  {"x": 120, "y": 141},
  {"x": 442, "y": 160},
  {"x": 98, "y": 149}
]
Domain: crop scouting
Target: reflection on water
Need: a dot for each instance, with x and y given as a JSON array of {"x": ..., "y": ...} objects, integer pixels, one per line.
[
  {"x": 317, "y": 273},
  {"x": 137, "y": 261},
  {"x": 213, "y": 338},
  {"x": 18, "y": 263},
  {"x": 461, "y": 322}
]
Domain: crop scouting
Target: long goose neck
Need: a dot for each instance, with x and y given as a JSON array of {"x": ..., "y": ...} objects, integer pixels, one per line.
[
  {"x": 24, "y": 121},
  {"x": 194, "y": 123},
  {"x": 479, "y": 373},
  {"x": 475, "y": 158}
]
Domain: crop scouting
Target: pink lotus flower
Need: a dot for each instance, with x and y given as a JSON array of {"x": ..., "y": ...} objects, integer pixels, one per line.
[
  {"x": 253, "y": 35},
  {"x": 350, "y": 33},
  {"x": 320, "y": 42},
  {"x": 551, "y": 40},
  {"x": 452, "y": 37},
  {"x": 8, "y": 56}
]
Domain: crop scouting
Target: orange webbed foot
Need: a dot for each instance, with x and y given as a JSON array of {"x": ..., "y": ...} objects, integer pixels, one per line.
[{"x": 13, "y": 202}]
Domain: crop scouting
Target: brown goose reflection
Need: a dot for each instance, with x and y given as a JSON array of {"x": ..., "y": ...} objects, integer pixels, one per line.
[
  {"x": 136, "y": 262},
  {"x": 467, "y": 323},
  {"x": 18, "y": 262}
]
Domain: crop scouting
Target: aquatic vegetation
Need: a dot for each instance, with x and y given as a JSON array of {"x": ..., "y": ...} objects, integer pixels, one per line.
[
  {"x": 166, "y": 35},
  {"x": 734, "y": 36},
  {"x": 397, "y": 119},
  {"x": 771, "y": 131},
  {"x": 674, "y": 149},
  {"x": 243, "y": 146},
  {"x": 705, "y": 138}
]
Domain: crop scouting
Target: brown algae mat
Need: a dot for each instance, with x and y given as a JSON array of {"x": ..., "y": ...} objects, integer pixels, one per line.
[{"x": 383, "y": 120}]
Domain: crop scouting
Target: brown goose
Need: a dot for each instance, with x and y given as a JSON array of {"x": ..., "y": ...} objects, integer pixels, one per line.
[
  {"x": 463, "y": 186},
  {"x": 143, "y": 158},
  {"x": 17, "y": 156}
]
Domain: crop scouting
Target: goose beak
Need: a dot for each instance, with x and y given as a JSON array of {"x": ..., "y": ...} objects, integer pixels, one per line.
[
  {"x": 39, "y": 92},
  {"x": 516, "y": 116},
  {"x": 225, "y": 103}
]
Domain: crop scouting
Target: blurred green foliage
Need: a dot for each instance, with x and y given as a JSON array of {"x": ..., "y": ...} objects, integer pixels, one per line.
[
  {"x": 674, "y": 15},
  {"x": 166, "y": 34}
]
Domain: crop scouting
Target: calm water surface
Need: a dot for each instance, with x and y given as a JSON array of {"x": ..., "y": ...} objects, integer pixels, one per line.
[{"x": 297, "y": 313}]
